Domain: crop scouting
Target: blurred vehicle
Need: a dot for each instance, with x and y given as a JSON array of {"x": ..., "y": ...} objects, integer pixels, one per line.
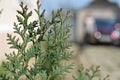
[
  {"x": 116, "y": 33},
  {"x": 103, "y": 31}
]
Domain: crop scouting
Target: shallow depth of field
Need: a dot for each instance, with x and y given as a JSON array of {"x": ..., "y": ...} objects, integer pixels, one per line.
[{"x": 86, "y": 51}]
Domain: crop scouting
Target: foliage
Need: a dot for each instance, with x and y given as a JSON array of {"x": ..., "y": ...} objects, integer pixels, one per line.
[
  {"x": 89, "y": 74},
  {"x": 1, "y": 11},
  {"x": 43, "y": 49},
  {"x": 43, "y": 52}
]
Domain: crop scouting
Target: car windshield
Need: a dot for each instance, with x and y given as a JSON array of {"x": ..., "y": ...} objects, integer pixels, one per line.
[{"x": 104, "y": 23}]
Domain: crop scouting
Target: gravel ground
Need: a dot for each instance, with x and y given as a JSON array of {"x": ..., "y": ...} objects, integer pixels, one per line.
[{"x": 107, "y": 56}]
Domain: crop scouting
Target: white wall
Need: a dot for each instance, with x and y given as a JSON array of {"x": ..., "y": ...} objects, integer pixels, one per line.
[{"x": 7, "y": 18}]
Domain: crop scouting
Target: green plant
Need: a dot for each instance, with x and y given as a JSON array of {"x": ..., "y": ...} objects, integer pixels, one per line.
[
  {"x": 3, "y": 71},
  {"x": 1, "y": 11},
  {"x": 93, "y": 73},
  {"x": 43, "y": 51}
]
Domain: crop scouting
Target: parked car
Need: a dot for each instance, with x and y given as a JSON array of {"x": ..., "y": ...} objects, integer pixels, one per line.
[
  {"x": 116, "y": 33},
  {"x": 102, "y": 31}
]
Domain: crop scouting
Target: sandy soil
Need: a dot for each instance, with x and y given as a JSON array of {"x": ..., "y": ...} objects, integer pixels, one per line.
[{"x": 107, "y": 56}]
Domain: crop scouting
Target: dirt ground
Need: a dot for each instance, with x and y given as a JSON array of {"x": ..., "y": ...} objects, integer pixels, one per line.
[{"x": 107, "y": 56}]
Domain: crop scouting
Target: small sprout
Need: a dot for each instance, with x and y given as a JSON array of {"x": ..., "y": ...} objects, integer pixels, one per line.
[
  {"x": 89, "y": 74},
  {"x": 42, "y": 14},
  {"x": 30, "y": 13}
]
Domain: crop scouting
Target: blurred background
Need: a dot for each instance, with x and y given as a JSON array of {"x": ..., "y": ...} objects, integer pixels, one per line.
[{"x": 95, "y": 35}]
